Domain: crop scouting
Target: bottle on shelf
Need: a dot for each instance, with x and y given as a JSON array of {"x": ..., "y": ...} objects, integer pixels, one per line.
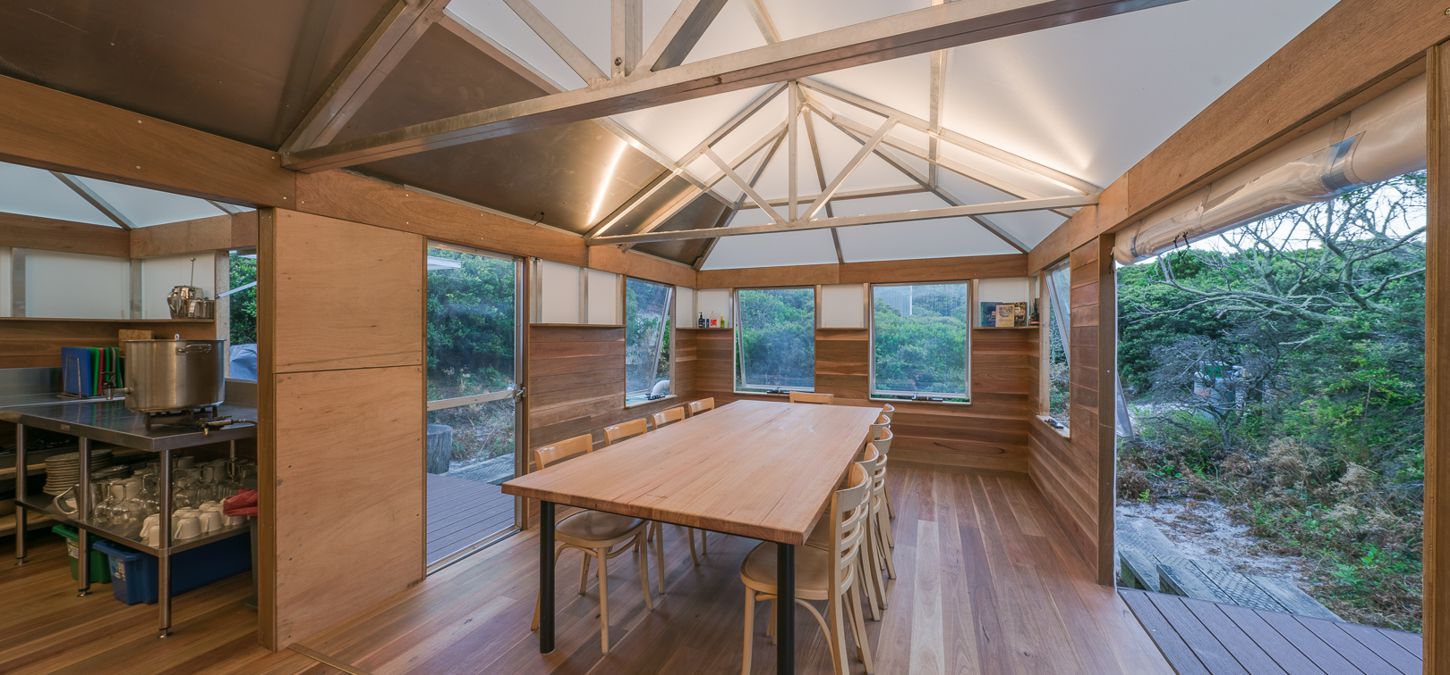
[{"x": 702, "y": 320}]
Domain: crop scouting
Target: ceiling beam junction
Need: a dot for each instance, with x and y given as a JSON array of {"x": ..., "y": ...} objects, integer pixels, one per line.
[
  {"x": 866, "y": 149},
  {"x": 691, "y": 195},
  {"x": 906, "y": 34},
  {"x": 626, "y": 36},
  {"x": 384, "y": 48},
  {"x": 744, "y": 185},
  {"x": 966, "y": 210},
  {"x": 734, "y": 209}
]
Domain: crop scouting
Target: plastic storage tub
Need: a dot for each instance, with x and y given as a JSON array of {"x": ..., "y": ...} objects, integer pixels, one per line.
[
  {"x": 100, "y": 571},
  {"x": 133, "y": 574}
]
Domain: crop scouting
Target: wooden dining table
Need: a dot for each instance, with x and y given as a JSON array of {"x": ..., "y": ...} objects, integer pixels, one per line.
[{"x": 756, "y": 469}]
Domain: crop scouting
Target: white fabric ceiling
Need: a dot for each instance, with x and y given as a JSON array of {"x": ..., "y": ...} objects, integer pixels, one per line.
[
  {"x": 1089, "y": 99},
  {"x": 36, "y": 192}
]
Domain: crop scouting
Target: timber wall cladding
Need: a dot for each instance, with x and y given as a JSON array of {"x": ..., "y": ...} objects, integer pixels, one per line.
[
  {"x": 576, "y": 381},
  {"x": 1066, "y": 470},
  {"x": 343, "y": 383},
  {"x": 991, "y": 433}
]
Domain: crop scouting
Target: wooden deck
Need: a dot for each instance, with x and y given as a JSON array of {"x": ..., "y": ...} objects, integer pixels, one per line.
[
  {"x": 1198, "y": 636},
  {"x": 462, "y": 512}
]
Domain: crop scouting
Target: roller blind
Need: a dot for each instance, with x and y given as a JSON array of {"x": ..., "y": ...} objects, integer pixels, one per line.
[{"x": 1375, "y": 142}]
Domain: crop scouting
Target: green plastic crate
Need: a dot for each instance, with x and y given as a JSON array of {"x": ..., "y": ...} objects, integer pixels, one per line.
[{"x": 100, "y": 564}]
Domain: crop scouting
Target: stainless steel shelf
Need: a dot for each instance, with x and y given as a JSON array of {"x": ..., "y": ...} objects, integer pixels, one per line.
[{"x": 47, "y": 507}]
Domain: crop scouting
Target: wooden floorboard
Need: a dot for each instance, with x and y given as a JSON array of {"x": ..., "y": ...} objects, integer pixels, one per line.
[
  {"x": 986, "y": 583},
  {"x": 1203, "y": 636},
  {"x": 47, "y": 629}
]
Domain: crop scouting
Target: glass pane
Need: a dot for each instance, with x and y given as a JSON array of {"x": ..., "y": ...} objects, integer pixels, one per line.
[
  {"x": 470, "y": 324},
  {"x": 646, "y": 340},
  {"x": 242, "y": 318},
  {"x": 775, "y": 339},
  {"x": 1059, "y": 325},
  {"x": 473, "y": 441},
  {"x": 920, "y": 337}
]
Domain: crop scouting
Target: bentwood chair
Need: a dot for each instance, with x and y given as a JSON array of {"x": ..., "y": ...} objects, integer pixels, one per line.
[
  {"x": 615, "y": 433},
  {"x": 694, "y": 408},
  {"x": 598, "y": 535},
  {"x": 883, "y": 443},
  {"x": 821, "y": 575},
  {"x": 869, "y": 582},
  {"x": 667, "y": 417},
  {"x": 812, "y": 397}
]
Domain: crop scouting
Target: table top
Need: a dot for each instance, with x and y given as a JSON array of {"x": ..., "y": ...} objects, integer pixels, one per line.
[
  {"x": 755, "y": 469},
  {"x": 111, "y": 422}
]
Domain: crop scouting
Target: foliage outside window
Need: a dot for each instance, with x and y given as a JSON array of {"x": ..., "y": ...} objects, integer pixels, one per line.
[
  {"x": 647, "y": 334},
  {"x": 471, "y": 333},
  {"x": 242, "y": 317},
  {"x": 1276, "y": 376},
  {"x": 1058, "y": 339},
  {"x": 775, "y": 340},
  {"x": 919, "y": 342}
]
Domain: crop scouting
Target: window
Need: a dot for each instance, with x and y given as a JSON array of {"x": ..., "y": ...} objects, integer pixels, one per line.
[
  {"x": 1057, "y": 341},
  {"x": 775, "y": 340},
  {"x": 242, "y": 316},
  {"x": 647, "y": 335},
  {"x": 919, "y": 342}
]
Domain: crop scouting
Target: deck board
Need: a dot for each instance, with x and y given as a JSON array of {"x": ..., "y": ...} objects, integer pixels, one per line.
[
  {"x": 1203, "y": 636},
  {"x": 462, "y": 512}
]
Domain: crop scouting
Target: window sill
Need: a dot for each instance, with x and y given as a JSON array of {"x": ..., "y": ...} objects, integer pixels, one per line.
[
  {"x": 1064, "y": 432},
  {"x": 907, "y": 401},
  {"x": 644, "y": 402}
]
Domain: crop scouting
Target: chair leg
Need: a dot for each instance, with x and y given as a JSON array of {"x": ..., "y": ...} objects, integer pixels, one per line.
[
  {"x": 884, "y": 525},
  {"x": 659, "y": 555},
  {"x": 890, "y": 510},
  {"x": 867, "y": 585},
  {"x": 641, "y": 556},
  {"x": 694, "y": 557},
  {"x": 704, "y": 543},
  {"x": 603, "y": 602},
  {"x": 584, "y": 573},
  {"x": 749, "y": 628},
  {"x": 836, "y": 635},
  {"x": 873, "y": 570},
  {"x": 770, "y": 627},
  {"x": 863, "y": 647}
]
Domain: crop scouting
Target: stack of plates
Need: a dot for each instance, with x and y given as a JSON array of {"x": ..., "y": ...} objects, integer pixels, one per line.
[{"x": 63, "y": 471}]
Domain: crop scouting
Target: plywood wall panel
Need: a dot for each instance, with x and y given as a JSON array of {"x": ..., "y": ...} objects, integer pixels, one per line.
[
  {"x": 346, "y": 295},
  {"x": 348, "y": 493},
  {"x": 36, "y": 343}
]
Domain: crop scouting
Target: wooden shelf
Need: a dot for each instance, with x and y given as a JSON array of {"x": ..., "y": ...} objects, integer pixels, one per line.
[
  {"x": 41, "y": 319},
  {"x": 1005, "y": 327},
  {"x": 698, "y": 328},
  {"x": 576, "y": 325}
]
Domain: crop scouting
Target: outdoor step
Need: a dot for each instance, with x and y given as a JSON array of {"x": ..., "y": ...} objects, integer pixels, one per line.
[
  {"x": 1137, "y": 570},
  {"x": 1293, "y": 599}
]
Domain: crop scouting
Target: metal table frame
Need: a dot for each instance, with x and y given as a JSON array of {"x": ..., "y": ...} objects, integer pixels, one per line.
[{"x": 118, "y": 427}]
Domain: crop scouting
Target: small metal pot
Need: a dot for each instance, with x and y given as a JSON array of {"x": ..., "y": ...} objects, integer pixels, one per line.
[{"x": 172, "y": 375}]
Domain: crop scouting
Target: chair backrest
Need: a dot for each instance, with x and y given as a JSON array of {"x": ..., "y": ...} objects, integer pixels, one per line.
[
  {"x": 812, "y": 397},
  {"x": 882, "y": 423},
  {"x": 670, "y": 416},
  {"x": 848, "y": 526},
  {"x": 557, "y": 452},
  {"x": 618, "y": 432},
  {"x": 883, "y": 440},
  {"x": 702, "y": 405},
  {"x": 888, "y": 409}
]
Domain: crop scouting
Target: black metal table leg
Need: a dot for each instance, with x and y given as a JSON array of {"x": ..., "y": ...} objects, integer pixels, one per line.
[
  {"x": 785, "y": 609},
  {"x": 546, "y": 577}
]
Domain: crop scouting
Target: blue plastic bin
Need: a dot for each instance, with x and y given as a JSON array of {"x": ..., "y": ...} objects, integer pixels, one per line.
[{"x": 133, "y": 574}]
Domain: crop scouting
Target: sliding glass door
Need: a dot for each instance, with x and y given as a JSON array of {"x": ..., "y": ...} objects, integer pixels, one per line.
[{"x": 474, "y": 354}]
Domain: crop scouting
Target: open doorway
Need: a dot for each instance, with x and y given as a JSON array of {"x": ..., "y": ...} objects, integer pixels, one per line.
[
  {"x": 1274, "y": 378},
  {"x": 474, "y": 354}
]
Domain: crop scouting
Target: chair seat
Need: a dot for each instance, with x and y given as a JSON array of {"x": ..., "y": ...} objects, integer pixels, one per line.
[
  {"x": 596, "y": 526},
  {"x": 812, "y": 571}
]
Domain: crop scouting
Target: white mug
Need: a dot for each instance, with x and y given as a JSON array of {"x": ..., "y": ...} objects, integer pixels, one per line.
[
  {"x": 233, "y": 521},
  {"x": 188, "y": 527},
  {"x": 153, "y": 536},
  {"x": 211, "y": 521}
]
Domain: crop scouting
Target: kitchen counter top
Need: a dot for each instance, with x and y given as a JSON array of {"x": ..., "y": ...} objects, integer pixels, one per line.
[
  {"x": 15, "y": 400},
  {"x": 111, "y": 422}
]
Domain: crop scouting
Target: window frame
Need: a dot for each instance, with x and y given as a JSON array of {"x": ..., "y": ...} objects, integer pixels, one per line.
[
  {"x": 1044, "y": 302},
  {"x": 669, "y": 318},
  {"x": 223, "y": 311},
  {"x": 737, "y": 374},
  {"x": 913, "y": 397},
  {"x": 434, "y": 405}
]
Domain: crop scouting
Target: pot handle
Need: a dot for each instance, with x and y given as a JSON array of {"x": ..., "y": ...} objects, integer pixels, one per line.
[{"x": 203, "y": 349}]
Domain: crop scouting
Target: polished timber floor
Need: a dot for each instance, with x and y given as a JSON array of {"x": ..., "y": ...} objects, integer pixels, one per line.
[{"x": 985, "y": 584}]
